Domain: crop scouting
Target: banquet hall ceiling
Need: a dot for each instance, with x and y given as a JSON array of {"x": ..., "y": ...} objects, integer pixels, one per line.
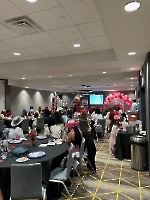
[{"x": 49, "y": 61}]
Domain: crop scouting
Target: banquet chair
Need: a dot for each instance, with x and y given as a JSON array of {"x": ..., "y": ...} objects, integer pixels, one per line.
[
  {"x": 25, "y": 125},
  {"x": 40, "y": 124},
  {"x": 83, "y": 126},
  {"x": 60, "y": 174},
  {"x": 26, "y": 182},
  {"x": 77, "y": 162},
  {"x": 1, "y": 125}
]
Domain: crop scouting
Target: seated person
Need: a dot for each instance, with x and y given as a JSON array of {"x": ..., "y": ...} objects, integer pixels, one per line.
[
  {"x": 24, "y": 113},
  {"x": 74, "y": 135},
  {"x": 9, "y": 114},
  {"x": 97, "y": 115},
  {"x": 16, "y": 131},
  {"x": 83, "y": 116},
  {"x": 64, "y": 117}
]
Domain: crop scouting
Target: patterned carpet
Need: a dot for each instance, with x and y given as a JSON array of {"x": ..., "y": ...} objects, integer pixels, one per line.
[{"x": 114, "y": 179}]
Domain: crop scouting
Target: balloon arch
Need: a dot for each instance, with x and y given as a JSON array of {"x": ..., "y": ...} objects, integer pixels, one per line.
[{"x": 119, "y": 98}]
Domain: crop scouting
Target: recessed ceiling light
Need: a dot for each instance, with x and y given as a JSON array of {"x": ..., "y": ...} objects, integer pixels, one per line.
[
  {"x": 26, "y": 87},
  {"x": 23, "y": 78},
  {"x": 76, "y": 45},
  {"x": 131, "y": 85},
  {"x": 131, "y": 78},
  {"x": 104, "y": 72},
  {"x": 70, "y": 75},
  {"x": 131, "y": 68},
  {"x": 17, "y": 54},
  {"x": 63, "y": 18},
  {"x": 131, "y": 53},
  {"x": 50, "y": 76},
  {"x": 31, "y": 1},
  {"x": 132, "y": 6},
  {"x": 114, "y": 84}
]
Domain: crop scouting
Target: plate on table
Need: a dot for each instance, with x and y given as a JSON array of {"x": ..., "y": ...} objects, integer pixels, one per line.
[
  {"x": 58, "y": 141},
  {"x": 23, "y": 159},
  {"x": 41, "y": 137},
  {"x": 51, "y": 144},
  {"x": 37, "y": 154},
  {"x": 15, "y": 141}
]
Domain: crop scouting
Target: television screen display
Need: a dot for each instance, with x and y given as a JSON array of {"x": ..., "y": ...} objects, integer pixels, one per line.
[{"x": 96, "y": 99}]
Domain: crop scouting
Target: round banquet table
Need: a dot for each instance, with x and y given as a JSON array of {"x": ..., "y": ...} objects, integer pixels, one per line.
[
  {"x": 123, "y": 147},
  {"x": 52, "y": 159}
]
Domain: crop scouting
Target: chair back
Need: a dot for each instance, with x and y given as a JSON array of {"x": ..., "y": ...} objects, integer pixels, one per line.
[
  {"x": 69, "y": 161},
  {"x": 83, "y": 125},
  {"x": 40, "y": 123},
  {"x": 1, "y": 125},
  {"x": 25, "y": 124},
  {"x": 81, "y": 151},
  {"x": 102, "y": 122},
  {"x": 26, "y": 181}
]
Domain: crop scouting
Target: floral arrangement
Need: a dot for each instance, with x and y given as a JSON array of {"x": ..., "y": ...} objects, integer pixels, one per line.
[
  {"x": 76, "y": 114},
  {"x": 33, "y": 134}
]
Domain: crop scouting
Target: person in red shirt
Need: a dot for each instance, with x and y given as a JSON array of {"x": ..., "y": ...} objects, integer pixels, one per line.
[{"x": 9, "y": 113}]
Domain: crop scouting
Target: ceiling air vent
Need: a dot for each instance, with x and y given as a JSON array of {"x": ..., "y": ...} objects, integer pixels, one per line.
[{"x": 22, "y": 25}]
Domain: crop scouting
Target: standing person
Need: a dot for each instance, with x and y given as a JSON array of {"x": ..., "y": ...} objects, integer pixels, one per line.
[
  {"x": 114, "y": 132},
  {"x": 46, "y": 114},
  {"x": 31, "y": 111},
  {"x": 134, "y": 105},
  {"x": 113, "y": 112},
  {"x": 91, "y": 150}
]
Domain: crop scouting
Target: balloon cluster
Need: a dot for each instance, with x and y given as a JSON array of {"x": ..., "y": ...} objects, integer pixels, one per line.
[{"x": 120, "y": 96}]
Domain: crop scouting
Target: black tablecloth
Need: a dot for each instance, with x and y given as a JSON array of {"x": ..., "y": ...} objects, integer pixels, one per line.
[
  {"x": 123, "y": 147},
  {"x": 54, "y": 155}
]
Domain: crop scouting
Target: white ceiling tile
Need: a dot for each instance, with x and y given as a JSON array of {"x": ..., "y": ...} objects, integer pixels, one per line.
[
  {"x": 44, "y": 56},
  {"x": 34, "y": 51},
  {"x": 8, "y": 10},
  {"x": 57, "y": 50},
  {"x": 98, "y": 41},
  {"x": 5, "y": 47},
  {"x": 92, "y": 29},
  {"x": 63, "y": 2},
  {"x": 10, "y": 54},
  {"x": 28, "y": 7},
  {"x": 6, "y": 33},
  {"x": 107, "y": 47},
  {"x": 83, "y": 44},
  {"x": 79, "y": 51},
  {"x": 19, "y": 42},
  {"x": 82, "y": 12},
  {"x": 67, "y": 34},
  {"x": 41, "y": 38},
  {"x": 51, "y": 19}
]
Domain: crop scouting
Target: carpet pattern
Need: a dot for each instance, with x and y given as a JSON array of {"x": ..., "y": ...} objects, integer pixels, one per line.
[{"x": 114, "y": 179}]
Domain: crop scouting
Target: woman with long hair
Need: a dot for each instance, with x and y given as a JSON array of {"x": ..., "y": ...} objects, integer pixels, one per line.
[{"x": 74, "y": 134}]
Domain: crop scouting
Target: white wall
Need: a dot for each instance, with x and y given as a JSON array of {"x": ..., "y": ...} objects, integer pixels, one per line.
[
  {"x": 24, "y": 98},
  {"x": 2, "y": 95}
]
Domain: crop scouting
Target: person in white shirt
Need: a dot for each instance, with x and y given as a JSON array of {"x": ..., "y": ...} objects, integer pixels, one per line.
[
  {"x": 113, "y": 135},
  {"x": 134, "y": 105},
  {"x": 97, "y": 115},
  {"x": 16, "y": 131}
]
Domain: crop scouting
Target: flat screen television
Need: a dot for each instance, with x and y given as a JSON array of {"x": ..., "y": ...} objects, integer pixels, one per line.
[{"x": 96, "y": 99}]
